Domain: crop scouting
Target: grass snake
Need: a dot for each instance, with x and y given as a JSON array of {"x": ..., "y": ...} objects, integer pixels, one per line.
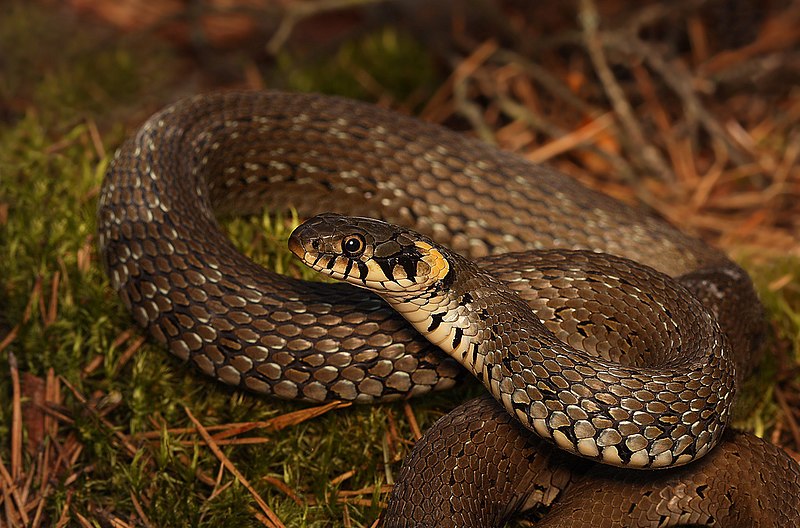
[{"x": 616, "y": 362}]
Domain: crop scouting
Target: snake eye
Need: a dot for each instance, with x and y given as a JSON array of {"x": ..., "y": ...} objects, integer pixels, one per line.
[{"x": 353, "y": 245}]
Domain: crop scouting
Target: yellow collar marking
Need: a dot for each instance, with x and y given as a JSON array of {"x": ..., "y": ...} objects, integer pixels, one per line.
[{"x": 433, "y": 258}]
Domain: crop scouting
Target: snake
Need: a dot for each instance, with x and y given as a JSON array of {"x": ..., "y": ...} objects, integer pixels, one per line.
[{"x": 611, "y": 343}]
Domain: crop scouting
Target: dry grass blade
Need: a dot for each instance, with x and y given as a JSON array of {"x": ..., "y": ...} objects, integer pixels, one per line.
[
  {"x": 284, "y": 420},
  {"x": 83, "y": 521},
  {"x": 412, "y": 421},
  {"x": 344, "y": 476},
  {"x": 438, "y": 108},
  {"x": 369, "y": 490},
  {"x": 571, "y": 140},
  {"x": 15, "y": 507},
  {"x": 9, "y": 338},
  {"x": 281, "y": 485},
  {"x": 63, "y": 519},
  {"x": 140, "y": 511},
  {"x": 273, "y": 520},
  {"x": 273, "y": 424},
  {"x": 128, "y": 354},
  {"x": 51, "y": 314},
  {"x": 16, "y": 420}
]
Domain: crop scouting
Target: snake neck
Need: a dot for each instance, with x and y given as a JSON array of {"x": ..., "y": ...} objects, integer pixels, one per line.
[
  {"x": 592, "y": 407},
  {"x": 467, "y": 315},
  {"x": 446, "y": 321}
]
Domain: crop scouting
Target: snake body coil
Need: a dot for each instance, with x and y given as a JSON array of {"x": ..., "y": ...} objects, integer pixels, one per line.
[
  {"x": 658, "y": 414},
  {"x": 183, "y": 281}
]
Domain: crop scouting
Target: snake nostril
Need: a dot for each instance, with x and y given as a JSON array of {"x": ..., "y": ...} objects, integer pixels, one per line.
[{"x": 315, "y": 243}]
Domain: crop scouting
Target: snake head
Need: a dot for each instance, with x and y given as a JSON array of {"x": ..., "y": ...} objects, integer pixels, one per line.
[{"x": 385, "y": 258}]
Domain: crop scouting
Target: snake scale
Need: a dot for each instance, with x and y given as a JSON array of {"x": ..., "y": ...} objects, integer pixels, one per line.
[{"x": 610, "y": 379}]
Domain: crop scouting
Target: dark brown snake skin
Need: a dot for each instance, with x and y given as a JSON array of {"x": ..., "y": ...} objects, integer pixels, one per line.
[
  {"x": 237, "y": 153},
  {"x": 655, "y": 393}
]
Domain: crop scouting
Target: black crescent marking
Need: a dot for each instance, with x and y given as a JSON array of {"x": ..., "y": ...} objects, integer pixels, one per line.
[
  {"x": 436, "y": 320},
  {"x": 348, "y": 267},
  {"x": 457, "y": 338},
  {"x": 409, "y": 264},
  {"x": 387, "y": 265},
  {"x": 363, "y": 271}
]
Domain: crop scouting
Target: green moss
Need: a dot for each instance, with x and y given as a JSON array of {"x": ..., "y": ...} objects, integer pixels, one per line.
[
  {"x": 778, "y": 283},
  {"x": 383, "y": 63},
  {"x": 263, "y": 238}
]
